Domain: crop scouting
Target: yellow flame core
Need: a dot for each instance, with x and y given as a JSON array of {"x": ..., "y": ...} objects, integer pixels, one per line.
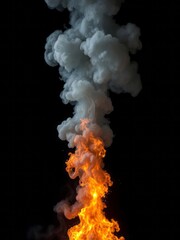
[{"x": 87, "y": 164}]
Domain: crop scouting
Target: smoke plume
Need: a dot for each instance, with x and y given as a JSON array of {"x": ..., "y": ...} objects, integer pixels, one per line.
[{"x": 93, "y": 58}]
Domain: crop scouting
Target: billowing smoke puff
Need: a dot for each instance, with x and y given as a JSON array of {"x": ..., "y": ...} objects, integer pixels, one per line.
[{"x": 94, "y": 58}]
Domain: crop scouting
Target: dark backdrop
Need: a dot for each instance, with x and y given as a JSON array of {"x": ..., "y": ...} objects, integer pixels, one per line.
[{"x": 143, "y": 158}]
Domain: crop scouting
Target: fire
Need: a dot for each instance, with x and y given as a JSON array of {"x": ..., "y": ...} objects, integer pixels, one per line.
[{"x": 87, "y": 164}]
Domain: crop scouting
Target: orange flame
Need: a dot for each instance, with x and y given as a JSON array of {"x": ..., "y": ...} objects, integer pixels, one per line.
[{"x": 87, "y": 164}]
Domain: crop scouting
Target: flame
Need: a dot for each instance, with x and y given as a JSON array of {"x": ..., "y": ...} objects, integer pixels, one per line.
[{"x": 87, "y": 164}]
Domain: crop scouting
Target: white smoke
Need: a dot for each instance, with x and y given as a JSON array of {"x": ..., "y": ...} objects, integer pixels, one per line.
[{"x": 94, "y": 58}]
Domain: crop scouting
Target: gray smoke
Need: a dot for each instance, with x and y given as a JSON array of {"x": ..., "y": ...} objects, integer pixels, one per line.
[{"x": 93, "y": 55}]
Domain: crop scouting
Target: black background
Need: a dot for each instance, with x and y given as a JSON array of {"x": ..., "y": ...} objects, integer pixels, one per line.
[{"x": 144, "y": 155}]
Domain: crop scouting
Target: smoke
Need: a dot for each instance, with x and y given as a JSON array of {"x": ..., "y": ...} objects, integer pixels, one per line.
[{"x": 94, "y": 58}]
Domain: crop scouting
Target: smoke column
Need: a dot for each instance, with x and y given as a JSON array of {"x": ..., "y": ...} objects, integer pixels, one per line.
[{"x": 93, "y": 58}]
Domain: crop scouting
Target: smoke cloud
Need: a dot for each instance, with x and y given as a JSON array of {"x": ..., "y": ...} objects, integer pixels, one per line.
[{"x": 93, "y": 55}]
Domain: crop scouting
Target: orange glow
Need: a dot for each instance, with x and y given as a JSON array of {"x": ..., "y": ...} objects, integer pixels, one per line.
[{"x": 87, "y": 164}]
